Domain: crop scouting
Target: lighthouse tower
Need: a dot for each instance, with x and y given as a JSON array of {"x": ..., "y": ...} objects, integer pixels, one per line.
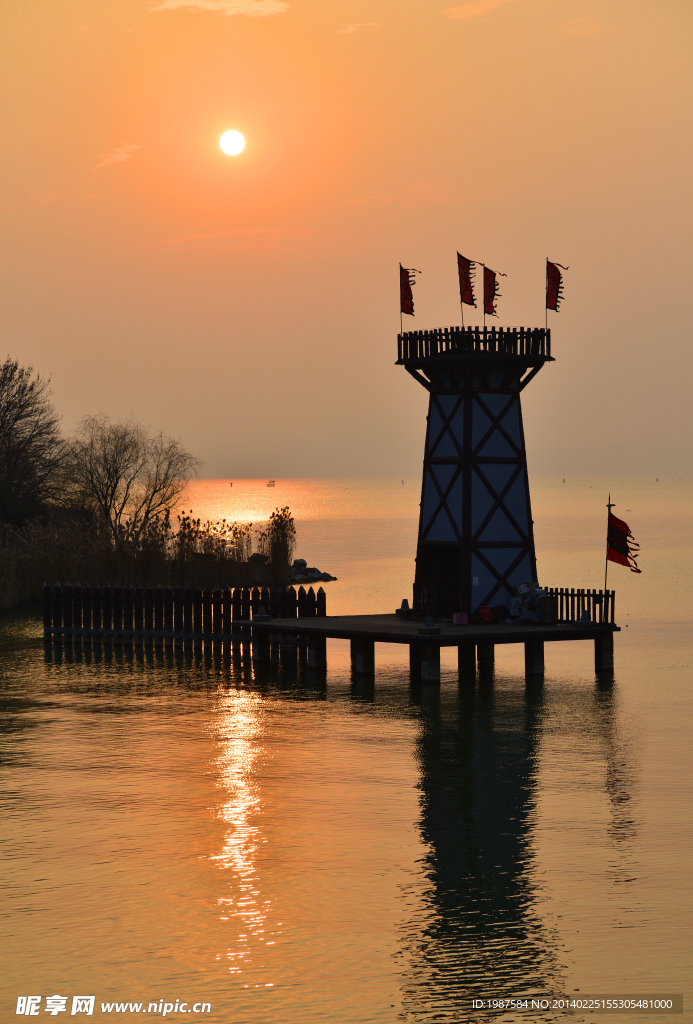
[{"x": 476, "y": 541}]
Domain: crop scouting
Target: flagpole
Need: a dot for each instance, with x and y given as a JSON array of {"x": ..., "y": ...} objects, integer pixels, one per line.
[
  {"x": 609, "y": 506},
  {"x": 483, "y": 299}
]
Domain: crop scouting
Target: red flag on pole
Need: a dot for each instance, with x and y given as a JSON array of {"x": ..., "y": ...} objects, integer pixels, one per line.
[
  {"x": 554, "y": 284},
  {"x": 406, "y": 280},
  {"x": 620, "y": 545},
  {"x": 491, "y": 292},
  {"x": 464, "y": 269}
]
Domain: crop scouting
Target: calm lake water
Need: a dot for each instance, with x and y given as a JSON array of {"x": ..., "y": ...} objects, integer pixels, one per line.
[{"x": 294, "y": 847}]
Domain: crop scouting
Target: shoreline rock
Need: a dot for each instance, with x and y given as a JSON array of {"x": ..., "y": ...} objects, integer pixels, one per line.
[{"x": 302, "y": 573}]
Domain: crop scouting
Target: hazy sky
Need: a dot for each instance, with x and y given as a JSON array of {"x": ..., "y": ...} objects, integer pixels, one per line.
[{"x": 249, "y": 304}]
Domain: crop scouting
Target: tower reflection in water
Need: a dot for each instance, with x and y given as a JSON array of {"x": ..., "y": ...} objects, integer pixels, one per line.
[{"x": 479, "y": 933}]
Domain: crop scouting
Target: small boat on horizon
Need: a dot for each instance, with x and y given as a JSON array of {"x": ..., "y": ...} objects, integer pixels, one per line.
[{"x": 270, "y": 483}]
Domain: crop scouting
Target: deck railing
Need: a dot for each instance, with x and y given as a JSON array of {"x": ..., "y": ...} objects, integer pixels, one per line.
[
  {"x": 506, "y": 341},
  {"x": 157, "y": 613},
  {"x": 572, "y": 604}
]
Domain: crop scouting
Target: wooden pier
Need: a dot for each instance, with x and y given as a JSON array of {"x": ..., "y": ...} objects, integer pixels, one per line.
[
  {"x": 475, "y": 644},
  {"x": 261, "y": 620}
]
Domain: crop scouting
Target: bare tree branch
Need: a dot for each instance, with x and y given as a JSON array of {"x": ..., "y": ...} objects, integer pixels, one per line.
[
  {"x": 128, "y": 475},
  {"x": 32, "y": 452}
]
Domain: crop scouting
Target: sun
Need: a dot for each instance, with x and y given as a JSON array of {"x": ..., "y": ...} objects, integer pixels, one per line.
[{"x": 232, "y": 143}]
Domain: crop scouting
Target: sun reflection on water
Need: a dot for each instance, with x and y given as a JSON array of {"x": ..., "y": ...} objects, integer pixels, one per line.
[{"x": 239, "y": 732}]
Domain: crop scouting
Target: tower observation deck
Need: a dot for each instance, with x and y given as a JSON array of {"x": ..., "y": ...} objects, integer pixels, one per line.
[{"x": 476, "y": 537}]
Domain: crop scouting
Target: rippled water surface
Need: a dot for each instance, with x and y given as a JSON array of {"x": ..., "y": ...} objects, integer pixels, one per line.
[{"x": 296, "y": 847}]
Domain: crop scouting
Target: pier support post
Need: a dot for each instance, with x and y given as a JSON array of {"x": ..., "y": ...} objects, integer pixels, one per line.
[
  {"x": 362, "y": 656},
  {"x": 534, "y": 657},
  {"x": 414, "y": 661},
  {"x": 604, "y": 652},
  {"x": 485, "y": 654},
  {"x": 466, "y": 661},
  {"x": 261, "y": 645},
  {"x": 430, "y": 663},
  {"x": 317, "y": 651}
]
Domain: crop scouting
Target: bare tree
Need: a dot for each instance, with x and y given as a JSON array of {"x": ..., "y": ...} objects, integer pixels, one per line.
[
  {"x": 32, "y": 450},
  {"x": 127, "y": 475}
]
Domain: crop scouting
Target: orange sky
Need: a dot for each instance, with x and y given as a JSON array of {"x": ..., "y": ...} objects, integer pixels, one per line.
[{"x": 249, "y": 305}]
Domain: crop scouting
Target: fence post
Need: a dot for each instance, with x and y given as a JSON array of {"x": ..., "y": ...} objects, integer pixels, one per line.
[
  {"x": 148, "y": 610},
  {"x": 107, "y": 608},
  {"x": 128, "y": 609},
  {"x": 291, "y": 606},
  {"x": 226, "y": 610},
  {"x": 301, "y": 602},
  {"x": 138, "y": 604},
  {"x": 178, "y": 624},
  {"x": 57, "y": 610},
  {"x": 67, "y": 608},
  {"x": 188, "y": 610},
  {"x": 217, "y": 620},
  {"x": 86, "y": 610},
  {"x": 255, "y": 600},
  {"x": 168, "y": 609},
  {"x": 197, "y": 609},
  {"x": 47, "y": 610},
  {"x": 118, "y": 609},
  {"x": 207, "y": 610},
  {"x": 245, "y": 603},
  {"x": 159, "y": 609},
  {"x": 236, "y": 606},
  {"x": 321, "y": 611},
  {"x": 96, "y": 620}
]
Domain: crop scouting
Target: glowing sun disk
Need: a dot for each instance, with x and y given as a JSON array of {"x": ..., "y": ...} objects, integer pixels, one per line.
[{"x": 232, "y": 143}]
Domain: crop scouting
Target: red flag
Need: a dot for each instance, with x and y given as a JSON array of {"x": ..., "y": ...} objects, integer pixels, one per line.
[
  {"x": 464, "y": 269},
  {"x": 406, "y": 280},
  {"x": 554, "y": 284},
  {"x": 620, "y": 545},
  {"x": 491, "y": 292}
]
